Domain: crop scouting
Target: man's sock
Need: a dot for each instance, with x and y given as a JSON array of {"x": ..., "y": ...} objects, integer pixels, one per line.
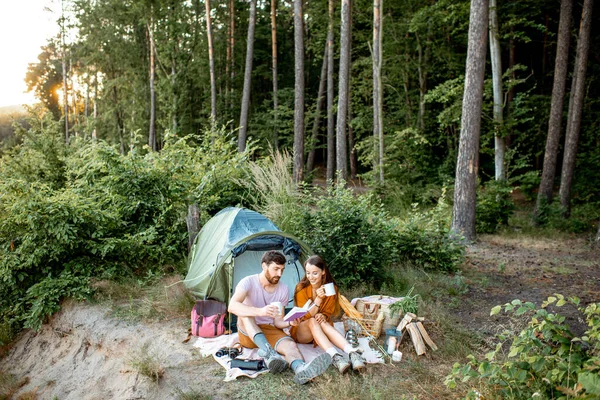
[
  {"x": 348, "y": 348},
  {"x": 296, "y": 364},
  {"x": 261, "y": 341},
  {"x": 331, "y": 351}
]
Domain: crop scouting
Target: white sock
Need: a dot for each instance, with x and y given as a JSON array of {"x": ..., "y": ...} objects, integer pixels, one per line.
[
  {"x": 331, "y": 351},
  {"x": 348, "y": 348}
]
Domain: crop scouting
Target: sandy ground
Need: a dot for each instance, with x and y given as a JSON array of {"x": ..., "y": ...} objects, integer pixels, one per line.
[{"x": 84, "y": 354}]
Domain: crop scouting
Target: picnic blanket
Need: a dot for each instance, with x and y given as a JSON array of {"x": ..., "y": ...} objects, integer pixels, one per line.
[{"x": 209, "y": 346}]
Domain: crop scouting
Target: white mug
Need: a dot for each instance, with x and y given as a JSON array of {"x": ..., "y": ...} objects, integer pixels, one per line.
[
  {"x": 329, "y": 289},
  {"x": 397, "y": 356},
  {"x": 279, "y": 305}
]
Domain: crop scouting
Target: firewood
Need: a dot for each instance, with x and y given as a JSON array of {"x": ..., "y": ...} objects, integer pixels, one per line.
[
  {"x": 405, "y": 321},
  {"x": 417, "y": 340},
  {"x": 426, "y": 336}
]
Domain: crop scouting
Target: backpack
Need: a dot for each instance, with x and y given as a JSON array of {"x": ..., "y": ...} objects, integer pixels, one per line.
[{"x": 208, "y": 318}]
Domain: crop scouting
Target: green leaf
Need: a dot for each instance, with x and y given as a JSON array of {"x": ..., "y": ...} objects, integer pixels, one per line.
[
  {"x": 495, "y": 310},
  {"x": 521, "y": 311},
  {"x": 561, "y": 303},
  {"x": 590, "y": 382}
]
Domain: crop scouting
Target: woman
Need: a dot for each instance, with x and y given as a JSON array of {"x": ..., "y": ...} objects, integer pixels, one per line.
[{"x": 316, "y": 325}]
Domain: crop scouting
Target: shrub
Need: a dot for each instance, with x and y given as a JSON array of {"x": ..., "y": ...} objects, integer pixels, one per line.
[
  {"x": 352, "y": 233},
  {"x": 545, "y": 360},
  {"x": 494, "y": 206},
  {"x": 423, "y": 238}
]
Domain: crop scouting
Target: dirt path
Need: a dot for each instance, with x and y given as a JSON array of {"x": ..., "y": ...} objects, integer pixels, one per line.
[{"x": 499, "y": 269}]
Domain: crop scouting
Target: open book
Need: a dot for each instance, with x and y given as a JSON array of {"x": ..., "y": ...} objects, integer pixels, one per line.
[{"x": 297, "y": 312}]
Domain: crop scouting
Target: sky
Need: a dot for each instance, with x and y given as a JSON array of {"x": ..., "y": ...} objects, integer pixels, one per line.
[{"x": 25, "y": 26}]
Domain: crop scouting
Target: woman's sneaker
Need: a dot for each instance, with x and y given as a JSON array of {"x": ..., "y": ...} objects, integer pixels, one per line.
[
  {"x": 358, "y": 363},
  {"x": 340, "y": 363},
  {"x": 274, "y": 361},
  {"x": 309, "y": 371}
]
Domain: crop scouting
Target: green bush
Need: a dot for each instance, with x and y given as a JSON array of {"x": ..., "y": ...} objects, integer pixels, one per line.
[
  {"x": 545, "y": 360},
  {"x": 494, "y": 206},
  {"x": 352, "y": 233},
  {"x": 71, "y": 213}
]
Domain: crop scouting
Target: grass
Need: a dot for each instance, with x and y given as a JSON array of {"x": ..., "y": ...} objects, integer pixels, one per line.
[
  {"x": 147, "y": 363},
  {"x": 133, "y": 301},
  {"x": 9, "y": 385}
]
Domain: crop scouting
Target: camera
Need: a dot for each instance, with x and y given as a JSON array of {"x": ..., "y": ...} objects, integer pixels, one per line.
[{"x": 232, "y": 352}]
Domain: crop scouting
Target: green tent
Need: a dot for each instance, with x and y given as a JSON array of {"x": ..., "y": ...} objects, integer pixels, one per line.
[{"x": 230, "y": 247}]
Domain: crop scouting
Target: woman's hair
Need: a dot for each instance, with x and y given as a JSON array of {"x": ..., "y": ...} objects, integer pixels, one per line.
[{"x": 318, "y": 262}]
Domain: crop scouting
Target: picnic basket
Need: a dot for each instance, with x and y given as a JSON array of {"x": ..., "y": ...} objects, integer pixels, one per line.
[
  {"x": 370, "y": 307},
  {"x": 363, "y": 325}
]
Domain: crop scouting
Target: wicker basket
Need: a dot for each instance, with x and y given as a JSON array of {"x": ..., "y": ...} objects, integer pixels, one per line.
[
  {"x": 391, "y": 320},
  {"x": 364, "y": 326}
]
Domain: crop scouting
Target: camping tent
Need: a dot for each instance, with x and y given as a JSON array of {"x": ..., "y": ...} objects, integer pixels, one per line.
[{"x": 230, "y": 247}]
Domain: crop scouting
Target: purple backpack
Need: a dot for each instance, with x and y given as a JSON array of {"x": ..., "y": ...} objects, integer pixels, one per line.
[{"x": 208, "y": 318}]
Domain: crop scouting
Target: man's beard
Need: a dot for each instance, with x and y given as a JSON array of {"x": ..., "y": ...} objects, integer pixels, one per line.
[{"x": 273, "y": 280}]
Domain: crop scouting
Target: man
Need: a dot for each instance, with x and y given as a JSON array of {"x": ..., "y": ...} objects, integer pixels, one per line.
[{"x": 260, "y": 324}]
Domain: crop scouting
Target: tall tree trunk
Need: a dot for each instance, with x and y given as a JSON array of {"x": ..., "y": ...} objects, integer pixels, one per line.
[
  {"x": 231, "y": 74},
  {"x": 377, "y": 89},
  {"x": 64, "y": 72},
  {"x": 330, "y": 175},
  {"x": 574, "y": 118},
  {"x": 344, "y": 77},
  {"x": 211, "y": 63},
  {"x": 94, "y": 132},
  {"x": 496, "y": 60},
  {"x": 351, "y": 141},
  {"x": 556, "y": 107},
  {"x": 422, "y": 72},
  {"x": 274, "y": 59},
  {"x": 314, "y": 138},
  {"x": 463, "y": 213},
  {"x": 152, "y": 130},
  {"x": 598, "y": 236},
  {"x": 299, "y": 92},
  {"x": 243, "y": 135}
]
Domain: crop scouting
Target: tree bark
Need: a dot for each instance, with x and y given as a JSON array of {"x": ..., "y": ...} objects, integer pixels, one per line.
[
  {"x": 231, "y": 73},
  {"x": 243, "y": 135},
  {"x": 496, "y": 61},
  {"x": 274, "y": 62},
  {"x": 211, "y": 63},
  {"x": 574, "y": 118},
  {"x": 314, "y": 139},
  {"x": 64, "y": 72},
  {"x": 298, "y": 92},
  {"x": 344, "y": 76},
  {"x": 463, "y": 213},
  {"x": 556, "y": 107},
  {"x": 377, "y": 89},
  {"x": 330, "y": 175},
  {"x": 351, "y": 141},
  {"x": 152, "y": 128},
  {"x": 193, "y": 224}
]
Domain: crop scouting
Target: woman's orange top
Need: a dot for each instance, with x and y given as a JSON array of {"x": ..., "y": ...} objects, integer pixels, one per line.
[{"x": 327, "y": 308}]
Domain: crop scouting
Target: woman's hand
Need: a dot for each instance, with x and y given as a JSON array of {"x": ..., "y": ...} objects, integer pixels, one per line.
[
  {"x": 295, "y": 322},
  {"x": 320, "y": 318},
  {"x": 321, "y": 293}
]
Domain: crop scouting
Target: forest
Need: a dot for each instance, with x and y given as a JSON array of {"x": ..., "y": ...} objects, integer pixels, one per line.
[{"x": 396, "y": 130}]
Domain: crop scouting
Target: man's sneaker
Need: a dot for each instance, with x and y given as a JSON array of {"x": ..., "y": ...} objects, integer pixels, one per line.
[
  {"x": 358, "y": 363},
  {"x": 311, "y": 370},
  {"x": 274, "y": 361},
  {"x": 340, "y": 363}
]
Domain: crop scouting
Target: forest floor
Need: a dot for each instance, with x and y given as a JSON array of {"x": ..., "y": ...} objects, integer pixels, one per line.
[{"x": 107, "y": 349}]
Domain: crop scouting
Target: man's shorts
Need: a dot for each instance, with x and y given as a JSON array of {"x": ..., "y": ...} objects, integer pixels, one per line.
[{"x": 274, "y": 336}]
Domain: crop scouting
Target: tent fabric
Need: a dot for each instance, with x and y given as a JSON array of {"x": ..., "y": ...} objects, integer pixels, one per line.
[{"x": 229, "y": 247}]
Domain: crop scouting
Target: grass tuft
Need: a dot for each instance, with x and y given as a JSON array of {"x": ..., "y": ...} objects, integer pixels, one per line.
[{"x": 147, "y": 363}]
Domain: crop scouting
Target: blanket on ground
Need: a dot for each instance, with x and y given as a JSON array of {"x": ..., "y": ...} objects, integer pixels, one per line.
[{"x": 209, "y": 346}]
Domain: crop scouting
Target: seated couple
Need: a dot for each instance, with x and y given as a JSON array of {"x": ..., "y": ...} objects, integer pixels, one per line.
[{"x": 261, "y": 324}]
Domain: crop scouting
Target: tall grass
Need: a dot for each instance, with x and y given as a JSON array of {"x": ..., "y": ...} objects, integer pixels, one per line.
[{"x": 271, "y": 188}]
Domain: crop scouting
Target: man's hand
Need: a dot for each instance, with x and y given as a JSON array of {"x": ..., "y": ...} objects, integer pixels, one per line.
[{"x": 270, "y": 311}]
